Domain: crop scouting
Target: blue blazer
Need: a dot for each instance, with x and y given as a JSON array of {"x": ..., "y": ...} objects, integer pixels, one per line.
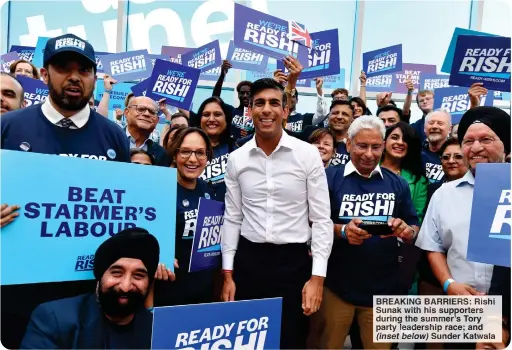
[{"x": 79, "y": 323}]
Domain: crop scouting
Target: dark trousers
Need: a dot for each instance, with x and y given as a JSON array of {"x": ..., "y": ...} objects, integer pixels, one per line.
[{"x": 264, "y": 270}]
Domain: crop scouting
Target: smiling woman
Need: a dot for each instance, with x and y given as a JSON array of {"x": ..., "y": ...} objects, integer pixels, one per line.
[{"x": 215, "y": 118}]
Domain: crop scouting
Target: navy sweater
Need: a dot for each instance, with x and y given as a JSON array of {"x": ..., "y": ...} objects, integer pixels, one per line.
[
  {"x": 29, "y": 130},
  {"x": 358, "y": 272}
]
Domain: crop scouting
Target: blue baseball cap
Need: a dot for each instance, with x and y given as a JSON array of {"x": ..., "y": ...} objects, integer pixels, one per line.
[{"x": 68, "y": 43}]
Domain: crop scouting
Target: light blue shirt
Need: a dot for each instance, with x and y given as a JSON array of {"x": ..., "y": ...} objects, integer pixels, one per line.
[{"x": 445, "y": 229}]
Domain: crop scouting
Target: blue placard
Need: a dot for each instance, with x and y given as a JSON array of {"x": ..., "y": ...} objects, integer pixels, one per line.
[
  {"x": 434, "y": 81},
  {"x": 8, "y": 59},
  {"x": 334, "y": 81},
  {"x": 39, "y": 51},
  {"x": 481, "y": 59},
  {"x": 204, "y": 58},
  {"x": 381, "y": 83},
  {"x": 176, "y": 82},
  {"x": 254, "y": 324},
  {"x": 246, "y": 60},
  {"x": 491, "y": 219},
  {"x": 140, "y": 88},
  {"x": 99, "y": 62},
  {"x": 116, "y": 97},
  {"x": 256, "y": 31},
  {"x": 128, "y": 66},
  {"x": 456, "y": 101},
  {"x": 267, "y": 73},
  {"x": 324, "y": 56},
  {"x": 153, "y": 58},
  {"x": 383, "y": 61},
  {"x": 211, "y": 74},
  {"x": 447, "y": 63},
  {"x": 62, "y": 223},
  {"x": 25, "y": 52},
  {"x": 35, "y": 91},
  {"x": 501, "y": 96},
  {"x": 206, "y": 245}
]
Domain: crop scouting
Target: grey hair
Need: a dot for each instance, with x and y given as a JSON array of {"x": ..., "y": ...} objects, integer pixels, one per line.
[
  {"x": 441, "y": 110},
  {"x": 366, "y": 122}
]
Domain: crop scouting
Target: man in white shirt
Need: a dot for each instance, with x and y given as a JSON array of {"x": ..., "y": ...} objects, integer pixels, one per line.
[{"x": 276, "y": 186}]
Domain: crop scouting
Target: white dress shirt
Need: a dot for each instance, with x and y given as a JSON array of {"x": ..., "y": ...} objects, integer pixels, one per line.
[
  {"x": 445, "y": 229},
  {"x": 271, "y": 199},
  {"x": 79, "y": 119}
]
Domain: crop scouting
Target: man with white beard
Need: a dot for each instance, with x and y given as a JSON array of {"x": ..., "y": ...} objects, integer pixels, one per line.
[{"x": 437, "y": 128}]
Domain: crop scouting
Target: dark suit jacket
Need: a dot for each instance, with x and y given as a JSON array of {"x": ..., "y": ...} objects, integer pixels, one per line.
[
  {"x": 159, "y": 153},
  {"x": 79, "y": 323}
]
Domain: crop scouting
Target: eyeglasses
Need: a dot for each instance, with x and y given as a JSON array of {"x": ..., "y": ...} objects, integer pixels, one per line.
[
  {"x": 363, "y": 147},
  {"x": 484, "y": 141},
  {"x": 456, "y": 157},
  {"x": 143, "y": 109},
  {"x": 184, "y": 153}
]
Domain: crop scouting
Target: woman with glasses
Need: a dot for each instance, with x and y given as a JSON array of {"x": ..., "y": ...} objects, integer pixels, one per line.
[
  {"x": 454, "y": 168},
  {"x": 215, "y": 119},
  {"x": 191, "y": 149}
]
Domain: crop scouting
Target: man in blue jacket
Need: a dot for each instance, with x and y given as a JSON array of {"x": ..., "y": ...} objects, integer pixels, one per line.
[{"x": 114, "y": 316}]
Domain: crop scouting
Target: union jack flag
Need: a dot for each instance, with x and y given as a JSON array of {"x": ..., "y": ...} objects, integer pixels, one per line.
[{"x": 298, "y": 32}]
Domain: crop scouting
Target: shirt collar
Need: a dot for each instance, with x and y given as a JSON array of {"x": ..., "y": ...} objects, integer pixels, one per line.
[
  {"x": 80, "y": 118},
  {"x": 468, "y": 178},
  {"x": 146, "y": 141},
  {"x": 285, "y": 141},
  {"x": 350, "y": 168}
]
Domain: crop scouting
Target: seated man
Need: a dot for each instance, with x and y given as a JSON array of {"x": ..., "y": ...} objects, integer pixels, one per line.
[{"x": 113, "y": 317}]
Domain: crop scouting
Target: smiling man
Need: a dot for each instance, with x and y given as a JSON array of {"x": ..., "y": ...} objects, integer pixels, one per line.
[
  {"x": 276, "y": 201},
  {"x": 484, "y": 134},
  {"x": 11, "y": 93},
  {"x": 63, "y": 125},
  {"x": 141, "y": 118},
  {"x": 114, "y": 317},
  {"x": 437, "y": 128}
]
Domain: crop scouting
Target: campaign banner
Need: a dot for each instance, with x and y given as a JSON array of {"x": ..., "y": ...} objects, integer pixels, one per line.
[
  {"x": 334, "y": 81},
  {"x": 99, "y": 62},
  {"x": 211, "y": 74},
  {"x": 267, "y": 73},
  {"x": 206, "y": 245},
  {"x": 176, "y": 82},
  {"x": 61, "y": 224},
  {"x": 204, "y": 58},
  {"x": 502, "y": 96},
  {"x": 456, "y": 101},
  {"x": 34, "y": 90},
  {"x": 256, "y": 31},
  {"x": 480, "y": 59},
  {"x": 324, "y": 56},
  {"x": 25, "y": 52},
  {"x": 140, "y": 88},
  {"x": 448, "y": 60},
  {"x": 383, "y": 61},
  {"x": 381, "y": 83},
  {"x": 434, "y": 81},
  {"x": 247, "y": 324},
  {"x": 37, "y": 60},
  {"x": 246, "y": 60},
  {"x": 128, "y": 66},
  {"x": 117, "y": 95},
  {"x": 153, "y": 58},
  {"x": 414, "y": 72},
  {"x": 8, "y": 59},
  {"x": 490, "y": 225},
  {"x": 174, "y": 53}
]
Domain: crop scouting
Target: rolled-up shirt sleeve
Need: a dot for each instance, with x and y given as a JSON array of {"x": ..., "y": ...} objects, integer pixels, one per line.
[
  {"x": 322, "y": 110},
  {"x": 319, "y": 214},
  {"x": 429, "y": 238},
  {"x": 230, "y": 231}
]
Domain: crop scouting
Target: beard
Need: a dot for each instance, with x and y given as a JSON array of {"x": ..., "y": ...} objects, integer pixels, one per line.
[
  {"x": 435, "y": 137},
  {"x": 66, "y": 102},
  {"x": 109, "y": 301}
]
